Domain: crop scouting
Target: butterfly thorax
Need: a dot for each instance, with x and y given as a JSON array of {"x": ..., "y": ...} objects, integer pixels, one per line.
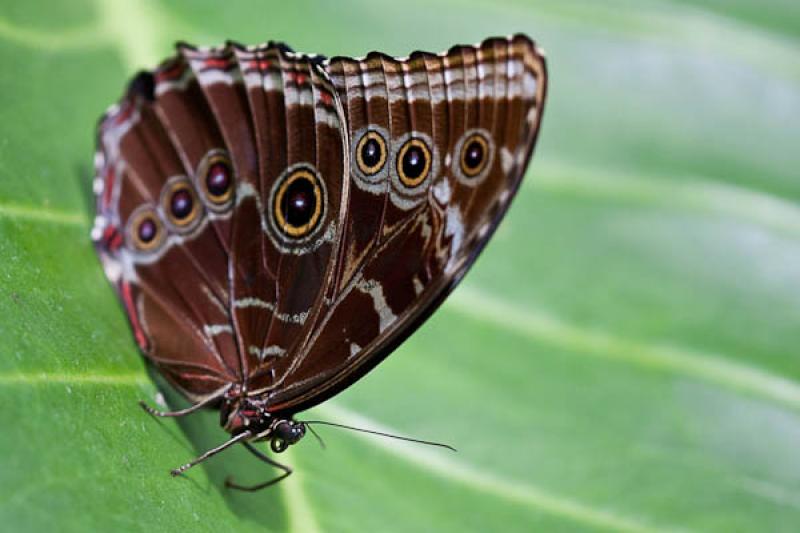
[{"x": 239, "y": 413}]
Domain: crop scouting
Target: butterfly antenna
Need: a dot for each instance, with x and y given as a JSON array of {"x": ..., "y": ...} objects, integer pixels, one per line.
[
  {"x": 319, "y": 439},
  {"x": 379, "y": 433}
]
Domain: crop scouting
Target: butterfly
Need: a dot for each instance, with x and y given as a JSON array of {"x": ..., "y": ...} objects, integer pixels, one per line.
[{"x": 275, "y": 224}]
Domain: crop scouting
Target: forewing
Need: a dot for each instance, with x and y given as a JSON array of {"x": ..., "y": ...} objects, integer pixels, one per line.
[
  {"x": 224, "y": 297},
  {"x": 278, "y": 114}
]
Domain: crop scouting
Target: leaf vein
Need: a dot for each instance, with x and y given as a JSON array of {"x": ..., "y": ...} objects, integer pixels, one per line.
[
  {"x": 42, "y": 214},
  {"x": 539, "y": 326},
  {"x": 522, "y": 493}
]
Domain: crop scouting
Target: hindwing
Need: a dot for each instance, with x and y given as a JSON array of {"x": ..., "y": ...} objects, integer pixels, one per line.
[{"x": 438, "y": 147}]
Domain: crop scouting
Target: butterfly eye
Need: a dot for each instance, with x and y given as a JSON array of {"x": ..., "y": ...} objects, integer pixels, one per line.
[
  {"x": 371, "y": 153},
  {"x": 145, "y": 230},
  {"x": 180, "y": 203},
  {"x": 413, "y": 162},
  {"x": 216, "y": 181},
  {"x": 298, "y": 203},
  {"x": 475, "y": 152}
]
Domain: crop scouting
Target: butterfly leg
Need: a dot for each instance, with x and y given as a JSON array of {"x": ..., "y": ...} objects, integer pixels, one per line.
[
  {"x": 212, "y": 452},
  {"x": 252, "y": 488},
  {"x": 181, "y": 412}
]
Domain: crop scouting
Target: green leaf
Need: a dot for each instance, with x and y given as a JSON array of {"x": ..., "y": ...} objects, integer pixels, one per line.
[{"x": 623, "y": 356}]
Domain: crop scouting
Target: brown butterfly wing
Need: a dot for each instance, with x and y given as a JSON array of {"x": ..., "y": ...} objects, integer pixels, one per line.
[
  {"x": 224, "y": 298},
  {"x": 140, "y": 161},
  {"x": 409, "y": 237},
  {"x": 278, "y": 274}
]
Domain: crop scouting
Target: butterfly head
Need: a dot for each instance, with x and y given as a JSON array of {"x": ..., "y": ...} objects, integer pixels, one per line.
[{"x": 285, "y": 433}]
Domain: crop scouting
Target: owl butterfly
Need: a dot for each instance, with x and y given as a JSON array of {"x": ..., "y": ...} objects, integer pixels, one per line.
[{"x": 275, "y": 224}]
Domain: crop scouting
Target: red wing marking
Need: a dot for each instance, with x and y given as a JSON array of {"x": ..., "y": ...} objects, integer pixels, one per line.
[{"x": 141, "y": 340}]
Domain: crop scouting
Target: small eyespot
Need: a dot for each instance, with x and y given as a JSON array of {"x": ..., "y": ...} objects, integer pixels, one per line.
[
  {"x": 475, "y": 151},
  {"x": 298, "y": 202},
  {"x": 145, "y": 230},
  {"x": 216, "y": 180},
  {"x": 473, "y": 155},
  {"x": 413, "y": 162},
  {"x": 371, "y": 153},
  {"x": 370, "y": 156},
  {"x": 180, "y": 204}
]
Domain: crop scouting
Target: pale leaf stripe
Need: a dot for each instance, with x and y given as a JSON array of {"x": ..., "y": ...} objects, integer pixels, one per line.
[
  {"x": 540, "y": 326},
  {"x": 447, "y": 466}
]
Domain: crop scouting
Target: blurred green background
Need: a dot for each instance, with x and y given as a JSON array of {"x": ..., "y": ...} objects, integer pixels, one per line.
[{"x": 624, "y": 355}]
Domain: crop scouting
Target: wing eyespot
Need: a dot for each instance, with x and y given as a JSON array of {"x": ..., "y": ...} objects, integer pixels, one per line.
[
  {"x": 474, "y": 154},
  {"x": 215, "y": 178},
  {"x": 413, "y": 162},
  {"x": 297, "y": 203},
  {"x": 145, "y": 230},
  {"x": 371, "y": 153},
  {"x": 180, "y": 204},
  {"x": 414, "y": 166}
]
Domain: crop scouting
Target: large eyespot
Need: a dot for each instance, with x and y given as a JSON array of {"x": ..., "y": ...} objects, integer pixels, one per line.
[
  {"x": 180, "y": 204},
  {"x": 297, "y": 204},
  {"x": 371, "y": 153},
  {"x": 145, "y": 231},
  {"x": 475, "y": 153},
  {"x": 413, "y": 162},
  {"x": 215, "y": 179}
]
